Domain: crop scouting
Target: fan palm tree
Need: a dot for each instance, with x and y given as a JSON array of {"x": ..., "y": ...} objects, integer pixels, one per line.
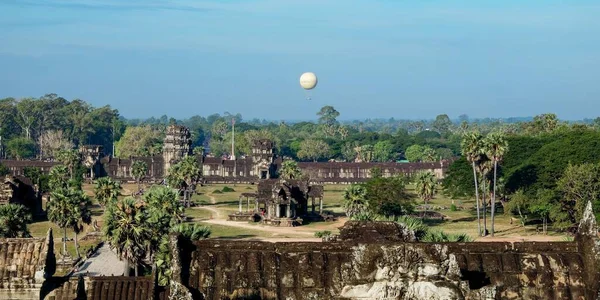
[
  {"x": 70, "y": 159},
  {"x": 471, "y": 149},
  {"x": 138, "y": 170},
  {"x": 13, "y": 221},
  {"x": 164, "y": 199},
  {"x": 107, "y": 190},
  {"x": 355, "y": 200},
  {"x": 290, "y": 170},
  {"x": 58, "y": 178},
  {"x": 126, "y": 229},
  {"x": 66, "y": 209},
  {"x": 425, "y": 185},
  {"x": 495, "y": 146}
]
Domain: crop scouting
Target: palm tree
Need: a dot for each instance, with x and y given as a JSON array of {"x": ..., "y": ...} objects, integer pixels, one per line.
[
  {"x": 484, "y": 167},
  {"x": 107, "y": 190},
  {"x": 66, "y": 209},
  {"x": 138, "y": 170},
  {"x": 290, "y": 170},
  {"x": 70, "y": 159},
  {"x": 13, "y": 221},
  {"x": 58, "y": 178},
  {"x": 126, "y": 229},
  {"x": 425, "y": 185},
  {"x": 164, "y": 199},
  {"x": 471, "y": 150},
  {"x": 355, "y": 200},
  {"x": 495, "y": 146}
]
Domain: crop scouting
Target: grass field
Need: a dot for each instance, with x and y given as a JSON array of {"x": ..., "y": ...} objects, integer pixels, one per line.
[{"x": 209, "y": 201}]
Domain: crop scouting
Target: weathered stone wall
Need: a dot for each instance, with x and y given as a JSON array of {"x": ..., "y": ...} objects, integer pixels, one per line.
[{"x": 347, "y": 270}]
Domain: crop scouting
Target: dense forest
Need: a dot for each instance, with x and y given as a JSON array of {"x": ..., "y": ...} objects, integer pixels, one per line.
[{"x": 36, "y": 128}]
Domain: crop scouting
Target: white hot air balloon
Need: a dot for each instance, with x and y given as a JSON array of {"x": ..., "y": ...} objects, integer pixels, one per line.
[{"x": 308, "y": 81}]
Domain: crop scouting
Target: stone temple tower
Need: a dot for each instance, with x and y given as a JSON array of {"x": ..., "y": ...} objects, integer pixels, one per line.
[
  {"x": 263, "y": 158},
  {"x": 177, "y": 145}
]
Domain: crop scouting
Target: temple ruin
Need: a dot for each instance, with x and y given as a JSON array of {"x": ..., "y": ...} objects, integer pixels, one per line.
[
  {"x": 262, "y": 163},
  {"x": 281, "y": 203}
]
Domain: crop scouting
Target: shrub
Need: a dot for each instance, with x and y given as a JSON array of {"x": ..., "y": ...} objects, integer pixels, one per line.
[
  {"x": 227, "y": 189},
  {"x": 217, "y": 192},
  {"x": 453, "y": 207},
  {"x": 320, "y": 234}
]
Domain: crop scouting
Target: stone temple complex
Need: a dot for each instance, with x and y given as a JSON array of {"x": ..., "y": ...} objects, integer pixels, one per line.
[
  {"x": 370, "y": 260},
  {"x": 262, "y": 163}
]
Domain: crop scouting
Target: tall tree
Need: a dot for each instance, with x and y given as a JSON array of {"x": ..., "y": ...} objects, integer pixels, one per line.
[
  {"x": 58, "y": 178},
  {"x": 126, "y": 229},
  {"x": 20, "y": 148},
  {"x": 138, "y": 140},
  {"x": 328, "y": 115},
  {"x": 27, "y": 115},
  {"x": 313, "y": 150},
  {"x": 495, "y": 146},
  {"x": 388, "y": 196},
  {"x": 139, "y": 168},
  {"x": 471, "y": 145},
  {"x": 13, "y": 221},
  {"x": 442, "y": 124},
  {"x": 51, "y": 142},
  {"x": 383, "y": 151},
  {"x": 578, "y": 185}
]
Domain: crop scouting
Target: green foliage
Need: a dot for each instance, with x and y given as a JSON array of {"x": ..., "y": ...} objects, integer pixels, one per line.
[
  {"x": 140, "y": 141},
  {"x": 227, "y": 189},
  {"x": 416, "y": 153},
  {"x": 327, "y": 115},
  {"x": 364, "y": 216},
  {"x": 453, "y": 207},
  {"x": 192, "y": 232},
  {"x": 414, "y": 224},
  {"x": 20, "y": 148},
  {"x": 13, "y": 221},
  {"x": 126, "y": 229},
  {"x": 70, "y": 159},
  {"x": 139, "y": 169},
  {"x": 321, "y": 234},
  {"x": 217, "y": 192},
  {"x": 37, "y": 177},
  {"x": 425, "y": 184},
  {"x": 58, "y": 178},
  {"x": 165, "y": 200},
  {"x": 67, "y": 208},
  {"x": 290, "y": 170},
  {"x": 383, "y": 151},
  {"x": 4, "y": 170},
  {"x": 388, "y": 196},
  {"x": 107, "y": 190},
  {"x": 355, "y": 200},
  {"x": 314, "y": 150},
  {"x": 442, "y": 237}
]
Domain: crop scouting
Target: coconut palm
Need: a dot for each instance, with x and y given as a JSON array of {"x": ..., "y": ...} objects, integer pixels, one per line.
[
  {"x": 355, "y": 200},
  {"x": 290, "y": 170},
  {"x": 425, "y": 185},
  {"x": 471, "y": 149},
  {"x": 107, "y": 190},
  {"x": 126, "y": 229},
  {"x": 495, "y": 146},
  {"x": 138, "y": 170}
]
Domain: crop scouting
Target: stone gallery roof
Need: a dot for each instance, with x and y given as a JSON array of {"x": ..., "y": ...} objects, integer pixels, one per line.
[{"x": 20, "y": 260}]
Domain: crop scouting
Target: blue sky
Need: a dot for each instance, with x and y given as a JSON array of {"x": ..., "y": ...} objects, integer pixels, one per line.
[{"x": 374, "y": 58}]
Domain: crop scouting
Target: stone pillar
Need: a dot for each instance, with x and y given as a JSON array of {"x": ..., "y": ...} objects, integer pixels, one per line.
[
  {"x": 288, "y": 211},
  {"x": 248, "y": 204},
  {"x": 278, "y": 211},
  {"x": 313, "y": 204},
  {"x": 240, "y": 210},
  {"x": 321, "y": 205}
]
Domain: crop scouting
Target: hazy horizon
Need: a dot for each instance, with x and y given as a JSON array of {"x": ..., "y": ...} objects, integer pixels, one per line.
[{"x": 374, "y": 59}]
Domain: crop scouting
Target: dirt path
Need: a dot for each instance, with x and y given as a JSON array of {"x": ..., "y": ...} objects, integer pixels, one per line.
[
  {"x": 521, "y": 238},
  {"x": 271, "y": 229},
  {"x": 104, "y": 262}
]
